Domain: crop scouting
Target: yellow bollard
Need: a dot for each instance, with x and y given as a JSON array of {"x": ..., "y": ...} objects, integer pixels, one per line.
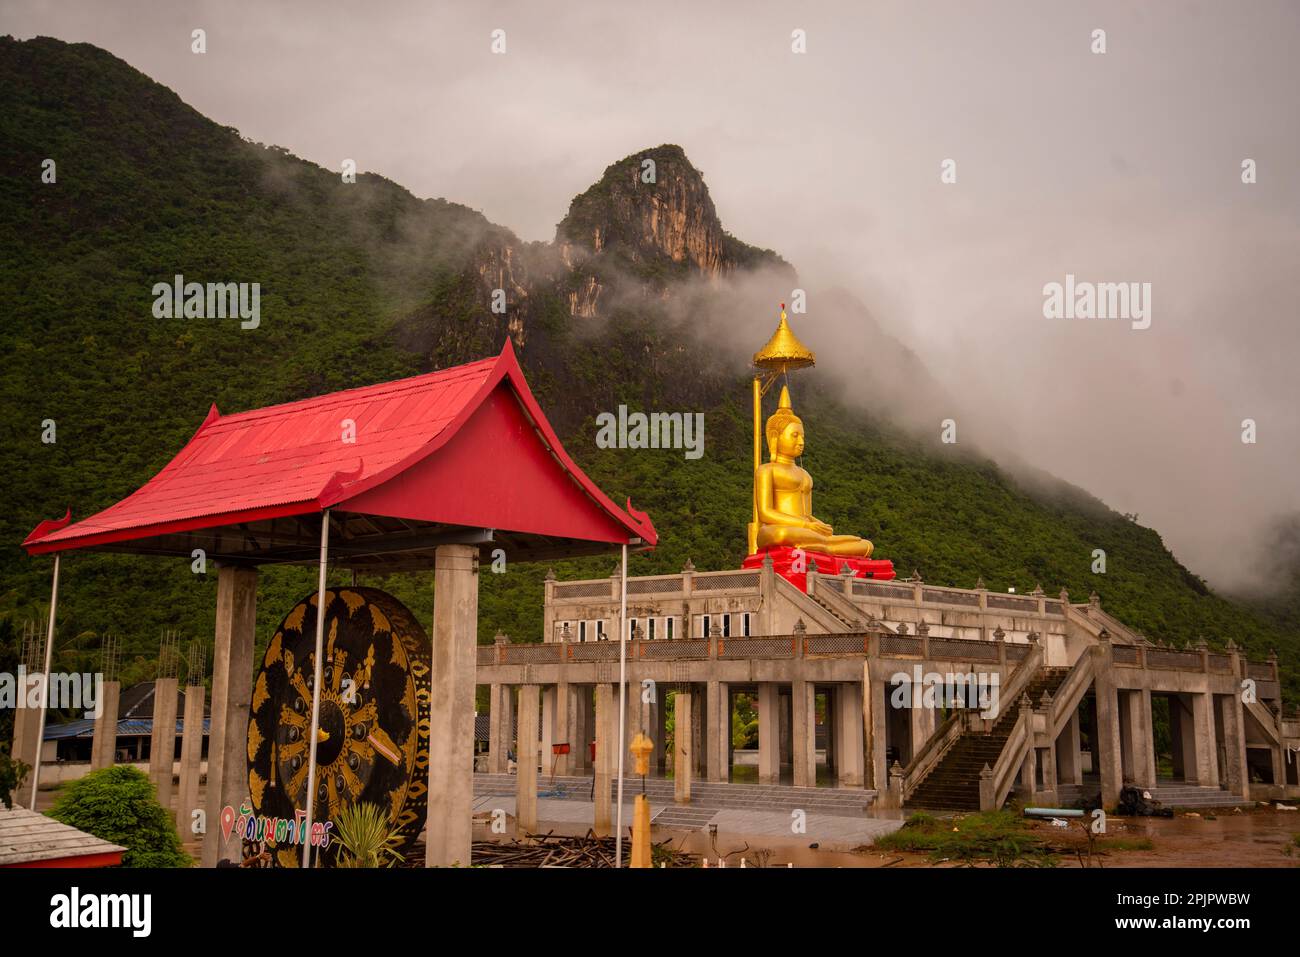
[{"x": 641, "y": 747}]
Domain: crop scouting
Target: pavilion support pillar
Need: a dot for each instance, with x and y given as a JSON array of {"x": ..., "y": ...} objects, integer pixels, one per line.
[
  {"x": 232, "y": 685},
  {"x": 848, "y": 736},
  {"x": 187, "y": 794},
  {"x": 501, "y": 727},
  {"x": 27, "y": 732},
  {"x": 162, "y": 743},
  {"x": 683, "y": 745},
  {"x": 526, "y": 755},
  {"x": 606, "y": 733},
  {"x": 103, "y": 746},
  {"x": 769, "y": 733},
  {"x": 451, "y": 713},
  {"x": 803, "y": 729},
  {"x": 718, "y": 700}
]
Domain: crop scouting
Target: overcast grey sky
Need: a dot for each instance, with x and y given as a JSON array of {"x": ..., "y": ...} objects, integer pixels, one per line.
[{"x": 1116, "y": 167}]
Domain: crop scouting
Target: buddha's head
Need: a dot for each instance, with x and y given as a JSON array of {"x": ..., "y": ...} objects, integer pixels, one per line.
[{"x": 784, "y": 429}]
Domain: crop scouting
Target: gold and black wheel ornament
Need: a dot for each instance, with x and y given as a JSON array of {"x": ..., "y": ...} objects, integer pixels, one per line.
[{"x": 373, "y": 741}]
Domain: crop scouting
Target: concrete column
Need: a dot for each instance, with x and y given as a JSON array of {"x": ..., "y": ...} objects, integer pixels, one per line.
[
  {"x": 1234, "y": 743},
  {"x": 103, "y": 746},
  {"x": 1108, "y": 733},
  {"x": 1046, "y": 758},
  {"x": 1207, "y": 764},
  {"x": 923, "y": 722},
  {"x": 848, "y": 736},
  {"x": 632, "y": 719},
  {"x": 1068, "y": 760},
  {"x": 699, "y": 736},
  {"x": 832, "y": 741},
  {"x": 785, "y": 749},
  {"x": 1182, "y": 735},
  {"x": 162, "y": 743},
  {"x": 232, "y": 686},
  {"x": 526, "y": 755},
  {"x": 1144, "y": 740},
  {"x": 683, "y": 759},
  {"x": 1029, "y": 773},
  {"x": 501, "y": 726},
  {"x": 606, "y": 731},
  {"x": 187, "y": 794},
  {"x": 563, "y": 727},
  {"x": 875, "y": 705},
  {"x": 583, "y": 726},
  {"x": 451, "y": 713},
  {"x": 803, "y": 730},
  {"x": 545, "y": 758},
  {"x": 718, "y": 700},
  {"x": 25, "y": 746},
  {"x": 662, "y": 759},
  {"x": 1127, "y": 733},
  {"x": 769, "y": 721}
]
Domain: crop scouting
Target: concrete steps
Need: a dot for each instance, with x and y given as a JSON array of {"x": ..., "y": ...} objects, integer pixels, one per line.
[
  {"x": 954, "y": 784},
  {"x": 704, "y": 794},
  {"x": 683, "y": 818}
]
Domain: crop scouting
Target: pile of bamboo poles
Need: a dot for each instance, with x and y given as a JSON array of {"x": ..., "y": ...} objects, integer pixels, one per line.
[{"x": 554, "y": 850}]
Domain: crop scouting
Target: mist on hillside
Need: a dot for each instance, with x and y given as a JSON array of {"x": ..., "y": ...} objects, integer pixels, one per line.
[{"x": 1122, "y": 167}]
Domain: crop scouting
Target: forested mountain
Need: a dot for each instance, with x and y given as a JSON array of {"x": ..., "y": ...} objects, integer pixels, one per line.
[{"x": 636, "y": 301}]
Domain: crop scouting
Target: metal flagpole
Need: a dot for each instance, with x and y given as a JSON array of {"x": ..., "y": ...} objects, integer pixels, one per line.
[
  {"x": 622, "y": 706},
  {"x": 315, "y": 688},
  {"x": 45, "y": 688}
]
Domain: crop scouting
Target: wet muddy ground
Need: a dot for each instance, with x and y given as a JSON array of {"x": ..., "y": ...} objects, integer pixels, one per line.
[{"x": 1259, "y": 838}]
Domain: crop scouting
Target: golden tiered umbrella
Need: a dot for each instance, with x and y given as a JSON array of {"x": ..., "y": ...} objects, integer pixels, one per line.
[{"x": 782, "y": 353}]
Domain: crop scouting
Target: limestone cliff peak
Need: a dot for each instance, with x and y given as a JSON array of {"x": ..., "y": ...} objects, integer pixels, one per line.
[{"x": 653, "y": 211}]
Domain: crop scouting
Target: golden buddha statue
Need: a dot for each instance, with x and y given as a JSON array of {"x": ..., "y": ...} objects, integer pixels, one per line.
[{"x": 783, "y": 493}]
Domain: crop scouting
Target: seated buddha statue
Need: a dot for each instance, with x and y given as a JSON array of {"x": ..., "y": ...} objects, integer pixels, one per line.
[{"x": 783, "y": 494}]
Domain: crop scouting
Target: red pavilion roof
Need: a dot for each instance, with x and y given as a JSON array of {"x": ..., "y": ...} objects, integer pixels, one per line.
[{"x": 501, "y": 467}]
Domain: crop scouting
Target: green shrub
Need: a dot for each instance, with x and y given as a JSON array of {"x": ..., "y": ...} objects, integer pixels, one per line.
[
  {"x": 119, "y": 804},
  {"x": 366, "y": 837},
  {"x": 999, "y": 837}
]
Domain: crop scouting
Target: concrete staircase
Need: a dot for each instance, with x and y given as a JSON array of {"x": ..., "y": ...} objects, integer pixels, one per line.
[
  {"x": 683, "y": 817},
  {"x": 954, "y": 784},
  {"x": 1179, "y": 795},
  {"x": 712, "y": 795}
]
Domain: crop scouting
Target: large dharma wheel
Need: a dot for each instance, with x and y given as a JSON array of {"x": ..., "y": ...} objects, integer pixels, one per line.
[{"x": 373, "y": 743}]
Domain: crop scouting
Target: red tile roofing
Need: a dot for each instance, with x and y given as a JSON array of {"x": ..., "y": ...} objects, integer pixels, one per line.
[{"x": 290, "y": 459}]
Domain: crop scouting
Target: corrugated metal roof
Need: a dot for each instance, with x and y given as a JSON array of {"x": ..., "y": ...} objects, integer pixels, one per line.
[{"x": 85, "y": 728}]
